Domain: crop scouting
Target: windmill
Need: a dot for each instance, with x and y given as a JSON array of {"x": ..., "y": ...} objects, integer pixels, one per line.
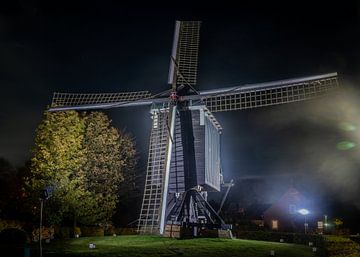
[{"x": 184, "y": 150}]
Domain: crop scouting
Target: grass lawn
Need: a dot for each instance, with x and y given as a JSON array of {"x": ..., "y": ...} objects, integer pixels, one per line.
[{"x": 160, "y": 246}]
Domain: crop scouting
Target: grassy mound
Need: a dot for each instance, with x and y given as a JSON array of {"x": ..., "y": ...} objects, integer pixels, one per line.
[{"x": 159, "y": 246}]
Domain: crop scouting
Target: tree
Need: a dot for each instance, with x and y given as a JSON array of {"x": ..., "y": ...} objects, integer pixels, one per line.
[
  {"x": 58, "y": 156},
  {"x": 81, "y": 159},
  {"x": 338, "y": 222},
  {"x": 109, "y": 155}
]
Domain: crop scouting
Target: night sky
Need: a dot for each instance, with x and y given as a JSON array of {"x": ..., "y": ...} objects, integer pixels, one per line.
[{"x": 112, "y": 47}]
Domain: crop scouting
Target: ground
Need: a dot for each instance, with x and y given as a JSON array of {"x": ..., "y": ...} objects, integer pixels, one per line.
[{"x": 158, "y": 246}]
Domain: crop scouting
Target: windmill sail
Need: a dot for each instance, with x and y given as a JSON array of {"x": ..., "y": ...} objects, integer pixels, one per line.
[
  {"x": 185, "y": 53},
  {"x": 267, "y": 94},
  {"x": 75, "y": 101},
  {"x": 150, "y": 214}
]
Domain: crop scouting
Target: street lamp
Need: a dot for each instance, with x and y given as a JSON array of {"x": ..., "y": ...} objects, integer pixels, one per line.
[
  {"x": 42, "y": 197},
  {"x": 304, "y": 212}
]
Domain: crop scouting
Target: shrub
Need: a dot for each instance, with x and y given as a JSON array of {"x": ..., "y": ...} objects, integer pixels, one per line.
[
  {"x": 77, "y": 231},
  {"x": 126, "y": 231},
  {"x": 46, "y": 233},
  {"x": 337, "y": 246},
  {"x": 109, "y": 230},
  {"x": 10, "y": 224},
  {"x": 92, "y": 231}
]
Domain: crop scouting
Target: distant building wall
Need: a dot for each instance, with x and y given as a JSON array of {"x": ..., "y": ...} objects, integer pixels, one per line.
[{"x": 284, "y": 216}]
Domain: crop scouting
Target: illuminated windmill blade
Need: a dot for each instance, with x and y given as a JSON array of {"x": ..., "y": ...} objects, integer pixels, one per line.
[
  {"x": 270, "y": 93},
  {"x": 74, "y": 101},
  {"x": 153, "y": 198},
  {"x": 185, "y": 52}
]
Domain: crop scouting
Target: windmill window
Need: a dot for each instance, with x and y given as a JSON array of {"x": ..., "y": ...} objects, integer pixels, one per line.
[
  {"x": 274, "y": 224},
  {"x": 320, "y": 224}
]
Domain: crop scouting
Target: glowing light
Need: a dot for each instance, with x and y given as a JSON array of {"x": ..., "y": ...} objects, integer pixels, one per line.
[
  {"x": 345, "y": 145},
  {"x": 303, "y": 211},
  {"x": 347, "y": 126}
]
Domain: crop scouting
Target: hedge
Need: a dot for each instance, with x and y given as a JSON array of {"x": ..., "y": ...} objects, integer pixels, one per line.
[
  {"x": 92, "y": 231},
  {"x": 337, "y": 246},
  {"x": 10, "y": 224},
  {"x": 294, "y": 238},
  {"x": 121, "y": 231}
]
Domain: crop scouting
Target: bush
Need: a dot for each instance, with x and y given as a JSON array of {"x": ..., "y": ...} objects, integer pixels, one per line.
[
  {"x": 46, "y": 233},
  {"x": 10, "y": 224},
  {"x": 66, "y": 232},
  {"x": 126, "y": 231},
  {"x": 77, "y": 231},
  {"x": 337, "y": 246},
  {"x": 110, "y": 230},
  {"x": 92, "y": 231}
]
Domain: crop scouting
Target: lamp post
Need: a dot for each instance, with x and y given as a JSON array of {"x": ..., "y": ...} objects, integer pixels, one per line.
[
  {"x": 42, "y": 197},
  {"x": 325, "y": 223},
  {"x": 304, "y": 212}
]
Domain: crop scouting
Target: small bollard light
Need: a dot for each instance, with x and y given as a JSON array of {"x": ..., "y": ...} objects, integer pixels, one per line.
[
  {"x": 281, "y": 240},
  {"x": 272, "y": 253},
  {"x": 314, "y": 249},
  {"x": 114, "y": 234},
  {"x": 92, "y": 246},
  {"x": 311, "y": 243},
  {"x": 77, "y": 235}
]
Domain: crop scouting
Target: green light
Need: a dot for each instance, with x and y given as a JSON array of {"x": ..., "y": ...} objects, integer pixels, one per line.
[
  {"x": 347, "y": 126},
  {"x": 345, "y": 145}
]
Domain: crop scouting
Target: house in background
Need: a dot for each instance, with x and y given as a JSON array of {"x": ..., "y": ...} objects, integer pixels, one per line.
[
  {"x": 289, "y": 214},
  {"x": 255, "y": 213}
]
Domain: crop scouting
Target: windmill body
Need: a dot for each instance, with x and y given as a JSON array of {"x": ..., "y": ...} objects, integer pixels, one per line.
[{"x": 184, "y": 149}]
